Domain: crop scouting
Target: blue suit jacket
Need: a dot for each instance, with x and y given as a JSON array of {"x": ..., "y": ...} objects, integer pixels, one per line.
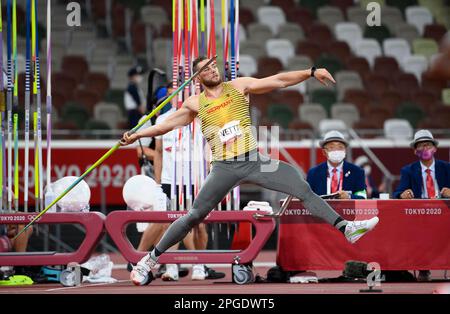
[
  {"x": 411, "y": 178},
  {"x": 354, "y": 179}
]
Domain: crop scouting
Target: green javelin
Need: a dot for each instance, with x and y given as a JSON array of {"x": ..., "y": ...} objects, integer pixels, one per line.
[{"x": 117, "y": 146}]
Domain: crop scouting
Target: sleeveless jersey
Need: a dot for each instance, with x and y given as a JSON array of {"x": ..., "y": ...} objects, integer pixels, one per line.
[{"x": 226, "y": 123}]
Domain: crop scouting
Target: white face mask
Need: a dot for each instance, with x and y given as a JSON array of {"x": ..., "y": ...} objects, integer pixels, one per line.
[
  {"x": 336, "y": 156},
  {"x": 139, "y": 79},
  {"x": 367, "y": 169}
]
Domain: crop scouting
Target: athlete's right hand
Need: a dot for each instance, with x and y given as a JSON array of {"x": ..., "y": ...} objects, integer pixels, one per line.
[{"x": 128, "y": 139}]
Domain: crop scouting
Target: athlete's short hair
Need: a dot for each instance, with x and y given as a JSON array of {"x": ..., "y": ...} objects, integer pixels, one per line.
[{"x": 197, "y": 61}]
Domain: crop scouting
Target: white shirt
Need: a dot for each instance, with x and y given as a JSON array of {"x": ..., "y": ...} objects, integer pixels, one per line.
[
  {"x": 424, "y": 180},
  {"x": 330, "y": 175},
  {"x": 167, "y": 161}
]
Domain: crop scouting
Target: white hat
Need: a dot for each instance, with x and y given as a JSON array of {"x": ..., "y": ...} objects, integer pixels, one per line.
[
  {"x": 361, "y": 160},
  {"x": 423, "y": 136},
  {"x": 332, "y": 136}
]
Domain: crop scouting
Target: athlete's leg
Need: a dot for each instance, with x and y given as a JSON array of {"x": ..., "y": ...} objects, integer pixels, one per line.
[
  {"x": 219, "y": 181},
  {"x": 288, "y": 179}
]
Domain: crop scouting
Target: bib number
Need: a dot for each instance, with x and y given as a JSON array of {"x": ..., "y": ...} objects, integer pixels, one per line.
[{"x": 230, "y": 132}]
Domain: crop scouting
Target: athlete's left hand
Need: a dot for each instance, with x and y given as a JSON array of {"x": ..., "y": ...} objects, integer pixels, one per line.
[{"x": 323, "y": 76}]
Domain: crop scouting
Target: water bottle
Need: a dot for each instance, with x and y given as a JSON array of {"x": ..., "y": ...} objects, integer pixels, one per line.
[{"x": 49, "y": 197}]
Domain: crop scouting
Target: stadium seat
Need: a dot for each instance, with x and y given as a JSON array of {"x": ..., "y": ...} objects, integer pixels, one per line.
[
  {"x": 281, "y": 114},
  {"x": 253, "y": 48},
  {"x": 406, "y": 31},
  {"x": 271, "y": 16},
  {"x": 300, "y": 16},
  {"x": 253, "y": 5},
  {"x": 425, "y": 47},
  {"x": 347, "y": 80},
  {"x": 292, "y": 32},
  {"x": 98, "y": 125},
  {"x": 64, "y": 84},
  {"x": 76, "y": 114},
  {"x": 163, "y": 52},
  {"x": 97, "y": 83},
  {"x": 247, "y": 65},
  {"x": 109, "y": 113},
  {"x": 348, "y": 32},
  {"x": 299, "y": 125},
  {"x": 435, "y": 31},
  {"x": 285, "y": 5},
  {"x": 419, "y": 17},
  {"x": 319, "y": 34},
  {"x": 313, "y": 5},
  {"x": 433, "y": 5},
  {"x": 378, "y": 114},
  {"x": 443, "y": 17},
  {"x": 390, "y": 99},
  {"x": 259, "y": 32},
  {"x": 324, "y": 97},
  {"x": 391, "y": 17},
  {"x": 397, "y": 48},
  {"x": 358, "y": 64},
  {"x": 398, "y": 129},
  {"x": 87, "y": 99},
  {"x": 380, "y": 33},
  {"x": 386, "y": 66},
  {"x": 406, "y": 84},
  {"x": 327, "y": 125},
  {"x": 331, "y": 63},
  {"x": 433, "y": 84},
  {"x": 358, "y": 16},
  {"x": 441, "y": 114},
  {"x": 154, "y": 15},
  {"x": 360, "y": 98},
  {"x": 343, "y": 5},
  {"x": 376, "y": 84},
  {"x": 446, "y": 96},
  {"x": 281, "y": 49},
  {"x": 340, "y": 49},
  {"x": 415, "y": 64},
  {"x": 346, "y": 112},
  {"x": 292, "y": 98},
  {"x": 310, "y": 49},
  {"x": 77, "y": 66},
  {"x": 368, "y": 48},
  {"x": 330, "y": 16},
  {"x": 246, "y": 16},
  {"x": 313, "y": 85},
  {"x": 312, "y": 113},
  {"x": 298, "y": 62},
  {"x": 426, "y": 100},
  {"x": 401, "y": 4},
  {"x": 268, "y": 66},
  {"x": 411, "y": 112}
]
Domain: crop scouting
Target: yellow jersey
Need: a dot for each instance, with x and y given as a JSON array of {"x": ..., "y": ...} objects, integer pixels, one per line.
[{"x": 226, "y": 123}]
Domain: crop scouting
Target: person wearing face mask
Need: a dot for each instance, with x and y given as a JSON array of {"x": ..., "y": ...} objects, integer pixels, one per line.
[
  {"x": 371, "y": 188},
  {"x": 337, "y": 176},
  {"x": 134, "y": 99},
  {"x": 426, "y": 178}
]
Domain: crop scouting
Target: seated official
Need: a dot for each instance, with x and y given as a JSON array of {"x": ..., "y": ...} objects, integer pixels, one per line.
[
  {"x": 336, "y": 175},
  {"x": 426, "y": 178}
]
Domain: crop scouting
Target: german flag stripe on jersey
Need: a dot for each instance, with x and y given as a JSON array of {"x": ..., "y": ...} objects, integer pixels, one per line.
[{"x": 231, "y": 108}]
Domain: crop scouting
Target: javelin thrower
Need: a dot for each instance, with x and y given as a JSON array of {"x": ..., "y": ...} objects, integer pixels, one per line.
[{"x": 223, "y": 108}]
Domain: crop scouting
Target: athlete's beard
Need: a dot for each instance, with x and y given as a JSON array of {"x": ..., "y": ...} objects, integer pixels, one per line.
[{"x": 212, "y": 83}]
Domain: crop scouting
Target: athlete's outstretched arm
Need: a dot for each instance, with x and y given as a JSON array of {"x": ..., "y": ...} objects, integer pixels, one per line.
[
  {"x": 250, "y": 85},
  {"x": 183, "y": 116}
]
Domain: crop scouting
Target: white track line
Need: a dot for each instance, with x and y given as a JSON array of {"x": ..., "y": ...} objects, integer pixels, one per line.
[{"x": 87, "y": 285}]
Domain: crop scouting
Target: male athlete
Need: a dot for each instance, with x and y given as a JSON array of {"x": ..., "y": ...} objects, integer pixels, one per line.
[{"x": 223, "y": 108}]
